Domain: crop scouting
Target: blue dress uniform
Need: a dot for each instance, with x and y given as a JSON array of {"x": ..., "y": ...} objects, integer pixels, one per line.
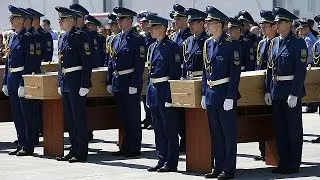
[
  {"x": 220, "y": 80},
  {"x": 99, "y": 42},
  {"x": 21, "y": 50},
  {"x": 285, "y": 81},
  {"x": 263, "y": 46},
  {"x": 193, "y": 46},
  {"x": 112, "y": 19},
  {"x": 147, "y": 122},
  {"x": 179, "y": 37},
  {"x": 74, "y": 76},
  {"x": 244, "y": 43},
  {"x": 250, "y": 63},
  {"x": 125, "y": 75},
  {"x": 310, "y": 41},
  {"x": 164, "y": 59},
  {"x": 46, "y": 38},
  {"x": 182, "y": 34},
  {"x": 30, "y": 107}
]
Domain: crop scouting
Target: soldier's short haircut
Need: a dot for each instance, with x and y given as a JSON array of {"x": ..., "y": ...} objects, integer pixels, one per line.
[{"x": 47, "y": 21}]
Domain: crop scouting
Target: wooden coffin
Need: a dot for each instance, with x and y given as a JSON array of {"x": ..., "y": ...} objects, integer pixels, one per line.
[
  {"x": 49, "y": 67},
  {"x": 44, "y": 86},
  {"x": 187, "y": 93}
]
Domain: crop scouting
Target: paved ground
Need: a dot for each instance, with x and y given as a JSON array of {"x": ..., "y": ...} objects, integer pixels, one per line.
[{"x": 102, "y": 166}]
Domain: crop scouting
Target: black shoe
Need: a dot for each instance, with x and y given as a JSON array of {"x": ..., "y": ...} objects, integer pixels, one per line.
[
  {"x": 224, "y": 176},
  {"x": 77, "y": 159},
  {"x": 129, "y": 154},
  {"x": 276, "y": 170},
  {"x": 289, "y": 171},
  {"x": 90, "y": 136},
  {"x": 154, "y": 168},
  {"x": 14, "y": 152},
  {"x": 316, "y": 140},
  {"x": 118, "y": 153},
  {"x": 259, "y": 158},
  {"x": 213, "y": 174},
  {"x": 150, "y": 127},
  {"x": 167, "y": 169},
  {"x": 68, "y": 148},
  {"x": 25, "y": 153},
  {"x": 65, "y": 158}
]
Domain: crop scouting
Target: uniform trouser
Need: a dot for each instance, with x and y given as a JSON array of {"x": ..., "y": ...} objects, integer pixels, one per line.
[
  {"x": 30, "y": 112},
  {"x": 17, "y": 117},
  {"x": 74, "y": 108},
  {"x": 129, "y": 112},
  {"x": 182, "y": 126},
  {"x": 289, "y": 133},
  {"x": 223, "y": 131},
  {"x": 165, "y": 124},
  {"x": 148, "y": 119}
]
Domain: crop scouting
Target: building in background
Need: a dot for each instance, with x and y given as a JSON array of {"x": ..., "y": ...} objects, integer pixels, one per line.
[{"x": 301, "y": 8}]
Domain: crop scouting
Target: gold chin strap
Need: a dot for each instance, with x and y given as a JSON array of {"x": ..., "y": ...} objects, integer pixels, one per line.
[
  {"x": 148, "y": 59},
  {"x": 206, "y": 62},
  {"x": 270, "y": 59},
  {"x": 259, "y": 57}
]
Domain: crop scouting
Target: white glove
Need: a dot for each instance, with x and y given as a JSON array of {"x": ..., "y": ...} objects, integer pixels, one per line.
[
  {"x": 292, "y": 101},
  {"x": 109, "y": 89},
  {"x": 5, "y": 90},
  {"x": 59, "y": 91},
  {"x": 203, "y": 102},
  {"x": 83, "y": 91},
  {"x": 133, "y": 90},
  {"x": 21, "y": 92},
  {"x": 166, "y": 104},
  {"x": 228, "y": 104},
  {"x": 267, "y": 99}
]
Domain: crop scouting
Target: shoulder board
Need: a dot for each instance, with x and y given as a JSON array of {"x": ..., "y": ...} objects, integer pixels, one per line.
[
  {"x": 27, "y": 34},
  {"x": 136, "y": 34}
]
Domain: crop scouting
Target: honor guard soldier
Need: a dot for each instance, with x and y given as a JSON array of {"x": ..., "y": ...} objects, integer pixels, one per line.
[
  {"x": 269, "y": 31},
  {"x": 20, "y": 53},
  {"x": 247, "y": 21},
  {"x": 220, "y": 80},
  {"x": 193, "y": 46},
  {"x": 46, "y": 55},
  {"x": 164, "y": 58},
  {"x": 89, "y": 35},
  {"x": 47, "y": 42},
  {"x": 316, "y": 58},
  {"x": 310, "y": 40},
  {"x": 114, "y": 28},
  {"x": 284, "y": 90},
  {"x": 146, "y": 34},
  {"x": 74, "y": 83},
  {"x": 99, "y": 42},
  {"x": 181, "y": 20},
  {"x": 125, "y": 80},
  {"x": 234, "y": 30},
  {"x": 31, "y": 107}
]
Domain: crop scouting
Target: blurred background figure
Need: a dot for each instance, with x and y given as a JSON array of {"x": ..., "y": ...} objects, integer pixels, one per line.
[{"x": 46, "y": 25}]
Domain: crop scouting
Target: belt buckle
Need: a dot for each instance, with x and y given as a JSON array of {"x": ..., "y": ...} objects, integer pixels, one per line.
[
  {"x": 9, "y": 70},
  {"x": 116, "y": 73},
  {"x": 211, "y": 83},
  {"x": 190, "y": 74},
  {"x": 275, "y": 77},
  {"x": 63, "y": 70}
]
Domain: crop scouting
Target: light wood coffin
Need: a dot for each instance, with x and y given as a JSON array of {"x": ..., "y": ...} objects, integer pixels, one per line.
[
  {"x": 49, "y": 67},
  {"x": 44, "y": 86},
  {"x": 187, "y": 93}
]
